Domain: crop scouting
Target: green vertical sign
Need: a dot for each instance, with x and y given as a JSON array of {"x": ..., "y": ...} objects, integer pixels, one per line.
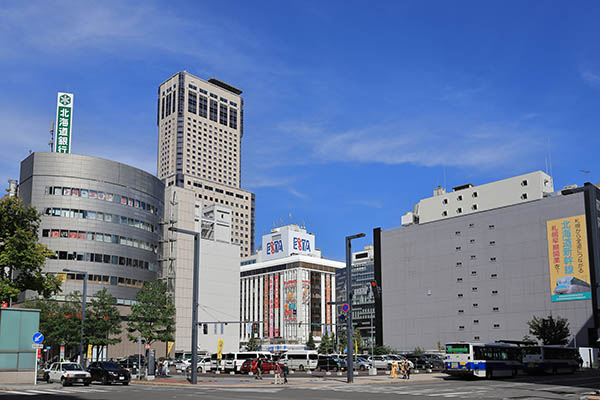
[{"x": 64, "y": 119}]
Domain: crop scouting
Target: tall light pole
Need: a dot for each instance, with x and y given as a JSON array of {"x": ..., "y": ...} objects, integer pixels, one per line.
[
  {"x": 194, "y": 366},
  {"x": 83, "y": 306},
  {"x": 350, "y": 359}
]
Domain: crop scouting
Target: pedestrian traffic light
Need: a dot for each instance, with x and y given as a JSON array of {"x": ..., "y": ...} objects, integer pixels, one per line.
[
  {"x": 342, "y": 317},
  {"x": 375, "y": 289},
  {"x": 255, "y": 328},
  {"x": 205, "y": 329}
]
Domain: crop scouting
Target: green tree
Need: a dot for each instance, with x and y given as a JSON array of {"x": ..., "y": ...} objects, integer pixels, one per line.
[
  {"x": 550, "y": 330},
  {"x": 153, "y": 315},
  {"x": 310, "y": 345},
  {"x": 327, "y": 344},
  {"x": 22, "y": 258},
  {"x": 102, "y": 322},
  {"x": 357, "y": 340},
  {"x": 342, "y": 342},
  {"x": 382, "y": 350},
  {"x": 253, "y": 344},
  {"x": 418, "y": 350},
  {"x": 60, "y": 322}
]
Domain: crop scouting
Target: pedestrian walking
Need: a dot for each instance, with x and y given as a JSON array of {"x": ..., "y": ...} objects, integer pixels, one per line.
[
  {"x": 165, "y": 368},
  {"x": 285, "y": 370},
  {"x": 277, "y": 374},
  {"x": 394, "y": 372},
  {"x": 403, "y": 368},
  {"x": 409, "y": 366},
  {"x": 259, "y": 369}
]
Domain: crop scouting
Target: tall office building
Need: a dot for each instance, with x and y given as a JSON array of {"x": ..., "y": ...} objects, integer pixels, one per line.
[{"x": 200, "y": 129}]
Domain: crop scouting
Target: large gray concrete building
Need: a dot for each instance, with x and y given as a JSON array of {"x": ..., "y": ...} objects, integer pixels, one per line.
[
  {"x": 481, "y": 277},
  {"x": 98, "y": 216}
]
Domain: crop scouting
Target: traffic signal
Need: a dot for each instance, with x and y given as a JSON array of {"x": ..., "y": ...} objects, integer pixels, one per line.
[
  {"x": 255, "y": 328},
  {"x": 205, "y": 329},
  {"x": 375, "y": 289}
]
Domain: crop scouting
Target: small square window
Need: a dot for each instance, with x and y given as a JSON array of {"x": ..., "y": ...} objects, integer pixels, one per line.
[
  {"x": 491, "y": 227},
  {"x": 524, "y": 182},
  {"x": 524, "y": 196},
  {"x": 492, "y": 243},
  {"x": 473, "y": 289},
  {"x": 475, "y": 337},
  {"x": 496, "y": 326},
  {"x": 471, "y": 225},
  {"x": 475, "y": 305},
  {"x": 458, "y": 264},
  {"x": 473, "y": 257},
  {"x": 458, "y": 279},
  {"x": 494, "y": 276},
  {"x": 444, "y": 213},
  {"x": 472, "y": 241},
  {"x": 473, "y": 273},
  {"x": 459, "y": 210},
  {"x": 459, "y": 198},
  {"x": 475, "y": 321},
  {"x": 474, "y": 207},
  {"x": 474, "y": 195},
  {"x": 460, "y": 295},
  {"x": 461, "y": 328},
  {"x": 461, "y": 311},
  {"x": 492, "y": 259},
  {"x": 458, "y": 248},
  {"x": 457, "y": 233},
  {"x": 495, "y": 309},
  {"x": 445, "y": 201},
  {"x": 494, "y": 292}
]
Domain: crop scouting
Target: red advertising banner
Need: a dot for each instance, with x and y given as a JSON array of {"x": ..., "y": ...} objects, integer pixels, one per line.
[
  {"x": 276, "y": 305},
  {"x": 266, "y": 306},
  {"x": 271, "y": 314}
]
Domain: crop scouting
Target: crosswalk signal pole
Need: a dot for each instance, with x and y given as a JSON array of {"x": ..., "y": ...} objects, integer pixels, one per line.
[{"x": 349, "y": 338}]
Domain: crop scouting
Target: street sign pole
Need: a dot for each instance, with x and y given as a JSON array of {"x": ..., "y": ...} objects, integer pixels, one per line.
[{"x": 349, "y": 336}]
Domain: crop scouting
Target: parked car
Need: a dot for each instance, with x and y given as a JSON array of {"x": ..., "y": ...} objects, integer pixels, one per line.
[
  {"x": 362, "y": 364},
  {"x": 129, "y": 361},
  {"x": 204, "y": 365},
  {"x": 268, "y": 365},
  {"x": 182, "y": 365},
  {"x": 68, "y": 373},
  {"x": 380, "y": 362},
  {"x": 329, "y": 363},
  {"x": 419, "y": 361},
  {"x": 436, "y": 361},
  {"x": 109, "y": 372}
]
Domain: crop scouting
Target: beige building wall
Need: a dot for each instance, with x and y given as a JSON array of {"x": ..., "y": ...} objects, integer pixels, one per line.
[{"x": 202, "y": 151}]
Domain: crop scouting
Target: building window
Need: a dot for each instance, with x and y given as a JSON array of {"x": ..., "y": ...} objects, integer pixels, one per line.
[
  {"x": 461, "y": 328},
  {"x": 475, "y": 305},
  {"x": 192, "y": 102},
  {"x": 496, "y": 309},
  {"x": 524, "y": 182},
  {"x": 492, "y": 259},
  {"x": 494, "y": 292},
  {"x": 493, "y": 276},
  {"x": 459, "y": 210},
  {"x": 474, "y": 207},
  {"x": 460, "y": 295},
  {"x": 474, "y": 195},
  {"x": 213, "y": 111},
  {"x": 490, "y": 227},
  {"x": 459, "y": 198},
  {"x": 473, "y": 273},
  {"x": 444, "y": 213},
  {"x": 459, "y": 264},
  {"x": 492, "y": 243},
  {"x": 524, "y": 196},
  {"x": 471, "y": 225},
  {"x": 475, "y": 337},
  {"x": 457, "y": 233},
  {"x": 445, "y": 201},
  {"x": 458, "y": 248},
  {"x": 458, "y": 279},
  {"x": 475, "y": 321},
  {"x": 472, "y": 241},
  {"x": 496, "y": 326},
  {"x": 461, "y": 311},
  {"x": 223, "y": 114},
  {"x": 473, "y": 289},
  {"x": 202, "y": 106},
  {"x": 232, "y": 118},
  {"x": 473, "y": 257}
]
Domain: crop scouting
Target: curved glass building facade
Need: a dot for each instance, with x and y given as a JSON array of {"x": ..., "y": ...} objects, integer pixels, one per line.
[{"x": 98, "y": 216}]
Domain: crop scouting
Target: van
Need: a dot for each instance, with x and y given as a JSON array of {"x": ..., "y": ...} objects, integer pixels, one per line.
[
  {"x": 234, "y": 361},
  {"x": 300, "y": 360}
]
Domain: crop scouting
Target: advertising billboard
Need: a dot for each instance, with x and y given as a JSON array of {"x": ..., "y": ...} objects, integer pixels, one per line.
[
  {"x": 568, "y": 259},
  {"x": 64, "y": 119}
]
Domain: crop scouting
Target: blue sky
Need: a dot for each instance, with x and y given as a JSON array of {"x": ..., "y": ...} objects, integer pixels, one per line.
[{"x": 352, "y": 113}]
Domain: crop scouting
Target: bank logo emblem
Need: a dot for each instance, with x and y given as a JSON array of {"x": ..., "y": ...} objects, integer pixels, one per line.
[{"x": 65, "y": 100}]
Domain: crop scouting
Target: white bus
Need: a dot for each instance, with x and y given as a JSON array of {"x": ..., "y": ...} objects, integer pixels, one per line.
[
  {"x": 300, "y": 360},
  {"x": 483, "y": 360},
  {"x": 234, "y": 361},
  {"x": 550, "y": 359}
]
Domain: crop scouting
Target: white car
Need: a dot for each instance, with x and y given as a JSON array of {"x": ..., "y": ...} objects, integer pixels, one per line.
[
  {"x": 68, "y": 373},
  {"x": 380, "y": 362}
]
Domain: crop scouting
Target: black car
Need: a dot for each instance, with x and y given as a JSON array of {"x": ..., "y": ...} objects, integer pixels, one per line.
[
  {"x": 328, "y": 363},
  {"x": 435, "y": 360},
  {"x": 130, "y": 361},
  {"x": 109, "y": 372}
]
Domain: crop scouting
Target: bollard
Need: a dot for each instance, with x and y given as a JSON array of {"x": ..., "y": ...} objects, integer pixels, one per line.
[
  {"x": 339, "y": 374},
  {"x": 292, "y": 371},
  {"x": 327, "y": 373},
  {"x": 250, "y": 373},
  {"x": 372, "y": 371},
  {"x": 217, "y": 372},
  {"x": 232, "y": 373}
]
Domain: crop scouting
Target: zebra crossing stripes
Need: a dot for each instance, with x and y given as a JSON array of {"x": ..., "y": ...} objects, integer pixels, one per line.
[{"x": 45, "y": 391}]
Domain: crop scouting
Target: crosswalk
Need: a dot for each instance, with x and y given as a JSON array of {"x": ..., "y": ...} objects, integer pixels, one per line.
[{"x": 52, "y": 391}]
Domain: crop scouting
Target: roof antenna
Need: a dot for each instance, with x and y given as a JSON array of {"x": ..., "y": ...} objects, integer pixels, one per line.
[{"x": 51, "y": 142}]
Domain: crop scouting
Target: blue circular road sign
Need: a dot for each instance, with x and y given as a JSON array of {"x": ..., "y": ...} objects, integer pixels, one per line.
[
  {"x": 38, "y": 337},
  {"x": 345, "y": 307}
]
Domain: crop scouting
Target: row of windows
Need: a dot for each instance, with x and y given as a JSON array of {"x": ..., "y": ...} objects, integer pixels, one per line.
[
  {"x": 474, "y": 273},
  {"x": 99, "y": 216},
  {"x": 223, "y": 99},
  {"x": 474, "y": 289},
  {"x": 476, "y": 305},
  {"x": 99, "y": 237},
  {"x": 107, "y": 280},
  {"x": 96, "y": 194},
  {"x": 103, "y": 258},
  {"x": 476, "y": 322},
  {"x": 197, "y": 104}
]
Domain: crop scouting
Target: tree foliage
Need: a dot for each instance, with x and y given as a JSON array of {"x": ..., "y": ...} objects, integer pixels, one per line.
[
  {"x": 418, "y": 350},
  {"x": 327, "y": 344},
  {"x": 357, "y": 340},
  {"x": 103, "y": 321},
  {"x": 550, "y": 330},
  {"x": 22, "y": 258},
  {"x": 253, "y": 344},
  {"x": 153, "y": 316},
  {"x": 382, "y": 350},
  {"x": 310, "y": 345}
]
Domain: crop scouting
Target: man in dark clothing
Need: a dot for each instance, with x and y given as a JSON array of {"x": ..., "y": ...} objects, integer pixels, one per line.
[{"x": 259, "y": 369}]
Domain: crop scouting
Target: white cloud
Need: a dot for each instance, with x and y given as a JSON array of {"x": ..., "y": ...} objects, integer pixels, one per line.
[
  {"x": 297, "y": 194},
  {"x": 591, "y": 78}
]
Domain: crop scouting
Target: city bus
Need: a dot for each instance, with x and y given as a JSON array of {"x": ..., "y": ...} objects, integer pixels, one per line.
[
  {"x": 483, "y": 360},
  {"x": 549, "y": 359}
]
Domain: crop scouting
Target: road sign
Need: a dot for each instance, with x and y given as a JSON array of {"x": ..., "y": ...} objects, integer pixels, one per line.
[
  {"x": 38, "y": 337},
  {"x": 345, "y": 307},
  {"x": 37, "y": 346}
]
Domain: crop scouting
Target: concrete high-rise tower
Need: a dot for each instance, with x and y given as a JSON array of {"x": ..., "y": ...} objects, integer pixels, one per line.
[{"x": 200, "y": 129}]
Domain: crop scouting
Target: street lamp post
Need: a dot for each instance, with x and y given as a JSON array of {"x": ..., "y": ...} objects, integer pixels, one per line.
[
  {"x": 83, "y": 306},
  {"x": 350, "y": 359},
  {"x": 194, "y": 366}
]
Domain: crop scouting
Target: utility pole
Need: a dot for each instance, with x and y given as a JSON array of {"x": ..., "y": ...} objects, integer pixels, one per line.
[
  {"x": 83, "y": 307},
  {"x": 349, "y": 338}
]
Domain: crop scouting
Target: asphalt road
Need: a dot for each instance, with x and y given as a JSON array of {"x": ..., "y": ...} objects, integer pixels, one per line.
[{"x": 526, "y": 388}]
